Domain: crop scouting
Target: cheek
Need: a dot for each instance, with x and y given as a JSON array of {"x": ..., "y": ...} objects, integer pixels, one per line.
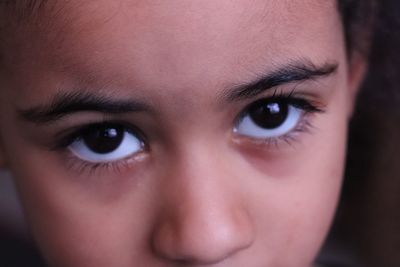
[
  {"x": 297, "y": 193},
  {"x": 79, "y": 222},
  {"x": 73, "y": 228}
]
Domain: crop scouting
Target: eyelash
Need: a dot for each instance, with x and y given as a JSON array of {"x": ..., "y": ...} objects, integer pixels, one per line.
[
  {"x": 90, "y": 168},
  {"x": 309, "y": 107},
  {"x": 68, "y": 137}
]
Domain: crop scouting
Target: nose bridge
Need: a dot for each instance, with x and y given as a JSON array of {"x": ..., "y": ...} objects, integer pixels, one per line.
[{"x": 204, "y": 219}]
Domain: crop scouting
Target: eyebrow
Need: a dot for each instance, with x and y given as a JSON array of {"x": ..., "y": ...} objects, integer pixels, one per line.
[
  {"x": 64, "y": 104},
  {"x": 73, "y": 102},
  {"x": 293, "y": 72}
]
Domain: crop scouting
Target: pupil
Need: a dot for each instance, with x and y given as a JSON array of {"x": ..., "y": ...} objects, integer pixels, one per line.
[
  {"x": 269, "y": 115},
  {"x": 104, "y": 139}
]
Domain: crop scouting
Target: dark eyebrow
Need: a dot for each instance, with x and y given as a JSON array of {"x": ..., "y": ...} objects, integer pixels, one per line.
[
  {"x": 293, "y": 72},
  {"x": 64, "y": 104},
  {"x": 72, "y": 102}
]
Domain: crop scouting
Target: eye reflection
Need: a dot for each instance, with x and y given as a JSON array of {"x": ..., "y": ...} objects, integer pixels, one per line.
[
  {"x": 269, "y": 118},
  {"x": 270, "y": 115},
  {"x": 105, "y": 143}
]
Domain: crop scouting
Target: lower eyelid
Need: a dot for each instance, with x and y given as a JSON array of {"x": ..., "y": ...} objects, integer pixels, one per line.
[
  {"x": 82, "y": 167},
  {"x": 305, "y": 126}
]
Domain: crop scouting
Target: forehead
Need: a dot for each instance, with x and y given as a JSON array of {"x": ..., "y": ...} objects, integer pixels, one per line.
[{"x": 178, "y": 41}]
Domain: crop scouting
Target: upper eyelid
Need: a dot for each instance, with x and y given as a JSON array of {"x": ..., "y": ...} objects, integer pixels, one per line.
[
  {"x": 66, "y": 137},
  {"x": 283, "y": 91},
  {"x": 293, "y": 73},
  {"x": 312, "y": 90},
  {"x": 291, "y": 95}
]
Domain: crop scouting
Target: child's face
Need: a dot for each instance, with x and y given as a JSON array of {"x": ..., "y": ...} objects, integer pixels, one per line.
[{"x": 217, "y": 134}]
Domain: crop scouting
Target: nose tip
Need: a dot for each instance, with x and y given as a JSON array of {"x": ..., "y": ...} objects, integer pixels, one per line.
[{"x": 205, "y": 237}]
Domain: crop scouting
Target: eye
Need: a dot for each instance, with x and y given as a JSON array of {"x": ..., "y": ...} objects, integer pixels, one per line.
[
  {"x": 270, "y": 118},
  {"x": 105, "y": 143}
]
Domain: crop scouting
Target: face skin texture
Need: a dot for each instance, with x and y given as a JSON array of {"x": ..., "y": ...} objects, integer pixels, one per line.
[{"x": 199, "y": 193}]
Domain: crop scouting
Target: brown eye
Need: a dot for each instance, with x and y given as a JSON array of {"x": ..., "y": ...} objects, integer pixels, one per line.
[
  {"x": 106, "y": 143},
  {"x": 103, "y": 139},
  {"x": 269, "y": 115},
  {"x": 269, "y": 118}
]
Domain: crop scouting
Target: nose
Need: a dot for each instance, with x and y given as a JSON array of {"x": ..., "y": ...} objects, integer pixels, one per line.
[{"x": 203, "y": 219}]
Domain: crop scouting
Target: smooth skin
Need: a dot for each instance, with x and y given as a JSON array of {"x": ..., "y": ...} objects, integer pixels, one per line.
[{"x": 199, "y": 193}]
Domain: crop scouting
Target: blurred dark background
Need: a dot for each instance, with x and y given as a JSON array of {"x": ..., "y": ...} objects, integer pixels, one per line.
[
  {"x": 366, "y": 231},
  {"x": 368, "y": 219}
]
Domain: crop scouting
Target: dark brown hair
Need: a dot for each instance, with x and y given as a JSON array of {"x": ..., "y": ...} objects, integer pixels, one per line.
[{"x": 359, "y": 19}]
